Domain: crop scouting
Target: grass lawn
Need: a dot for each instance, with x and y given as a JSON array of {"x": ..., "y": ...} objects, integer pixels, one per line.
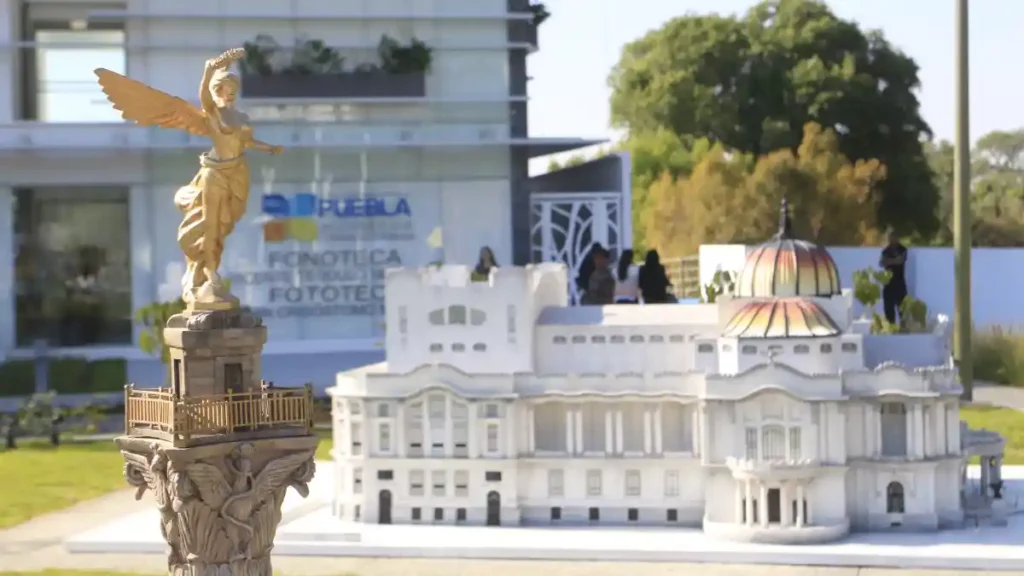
[
  {"x": 67, "y": 573},
  {"x": 38, "y": 478},
  {"x": 1009, "y": 423}
]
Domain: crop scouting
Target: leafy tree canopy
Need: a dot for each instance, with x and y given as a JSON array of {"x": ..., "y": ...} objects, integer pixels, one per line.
[
  {"x": 730, "y": 197},
  {"x": 751, "y": 83}
]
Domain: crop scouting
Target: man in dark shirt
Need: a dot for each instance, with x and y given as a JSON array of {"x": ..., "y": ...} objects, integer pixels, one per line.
[
  {"x": 601, "y": 285},
  {"x": 894, "y": 259}
]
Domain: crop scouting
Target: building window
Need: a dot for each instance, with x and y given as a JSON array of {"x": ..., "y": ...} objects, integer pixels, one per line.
[
  {"x": 416, "y": 514},
  {"x": 632, "y": 482},
  {"x": 894, "y": 429},
  {"x": 437, "y": 478},
  {"x": 416, "y": 483},
  {"x": 460, "y": 514},
  {"x": 436, "y": 348},
  {"x": 801, "y": 349},
  {"x": 849, "y": 347},
  {"x": 751, "y": 443},
  {"x": 656, "y": 339},
  {"x": 726, "y": 348},
  {"x": 357, "y": 481},
  {"x": 894, "y": 503},
  {"x": 594, "y": 514},
  {"x": 748, "y": 349},
  {"x": 556, "y": 513},
  {"x": 492, "y": 476},
  {"x": 597, "y": 340},
  {"x": 479, "y": 347},
  {"x": 672, "y": 515},
  {"x": 492, "y": 410},
  {"x": 636, "y": 339},
  {"x": 671, "y": 483},
  {"x": 383, "y": 410},
  {"x": 826, "y": 348},
  {"x": 492, "y": 438},
  {"x": 618, "y": 339},
  {"x": 579, "y": 339},
  {"x": 593, "y": 482},
  {"x": 384, "y": 436},
  {"x": 438, "y": 514},
  {"x": 773, "y": 442},
  {"x": 72, "y": 278},
  {"x": 356, "y": 407},
  {"x": 54, "y": 92},
  {"x": 357, "y": 439},
  {"x": 358, "y": 512},
  {"x": 511, "y": 313},
  {"x": 436, "y": 415},
  {"x": 556, "y": 483},
  {"x": 461, "y": 483},
  {"x": 414, "y": 428},
  {"x": 794, "y": 443},
  {"x": 403, "y": 320},
  {"x": 632, "y": 514},
  {"x": 460, "y": 429},
  {"x": 678, "y": 339},
  {"x": 558, "y": 340},
  {"x": 436, "y": 317},
  {"x": 477, "y": 317},
  {"x": 458, "y": 347},
  {"x": 705, "y": 348},
  {"x": 385, "y": 475}
]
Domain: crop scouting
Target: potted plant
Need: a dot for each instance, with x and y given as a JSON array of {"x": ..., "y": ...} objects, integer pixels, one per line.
[
  {"x": 312, "y": 69},
  {"x": 721, "y": 283}
]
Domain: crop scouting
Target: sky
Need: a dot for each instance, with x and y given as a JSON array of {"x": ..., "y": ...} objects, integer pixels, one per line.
[{"x": 582, "y": 40}]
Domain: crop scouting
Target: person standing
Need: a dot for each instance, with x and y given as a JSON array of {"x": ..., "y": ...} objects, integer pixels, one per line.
[
  {"x": 894, "y": 259},
  {"x": 653, "y": 280},
  {"x": 586, "y": 269},
  {"x": 627, "y": 280},
  {"x": 601, "y": 284},
  {"x": 484, "y": 265}
]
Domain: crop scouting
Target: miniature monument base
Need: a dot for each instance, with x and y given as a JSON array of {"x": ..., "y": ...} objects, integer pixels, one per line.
[{"x": 220, "y": 504}]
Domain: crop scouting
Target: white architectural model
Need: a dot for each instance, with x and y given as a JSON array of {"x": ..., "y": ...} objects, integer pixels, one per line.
[{"x": 771, "y": 416}]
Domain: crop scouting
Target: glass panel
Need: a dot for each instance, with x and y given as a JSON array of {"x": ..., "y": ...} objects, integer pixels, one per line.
[
  {"x": 66, "y": 87},
  {"x": 73, "y": 278}
]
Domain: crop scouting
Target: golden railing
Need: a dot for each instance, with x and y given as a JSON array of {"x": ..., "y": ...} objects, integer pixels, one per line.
[
  {"x": 186, "y": 421},
  {"x": 684, "y": 273}
]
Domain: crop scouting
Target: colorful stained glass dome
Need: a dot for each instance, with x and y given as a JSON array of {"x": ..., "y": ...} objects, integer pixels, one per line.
[
  {"x": 781, "y": 318},
  {"x": 785, "y": 266}
]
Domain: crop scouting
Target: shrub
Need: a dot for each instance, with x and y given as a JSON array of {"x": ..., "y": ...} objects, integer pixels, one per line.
[{"x": 999, "y": 356}]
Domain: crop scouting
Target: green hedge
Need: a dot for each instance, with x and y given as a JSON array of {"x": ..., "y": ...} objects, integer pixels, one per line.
[
  {"x": 66, "y": 376},
  {"x": 999, "y": 356}
]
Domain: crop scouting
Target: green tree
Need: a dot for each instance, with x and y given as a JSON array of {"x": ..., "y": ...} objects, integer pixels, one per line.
[
  {"x": 751, "y": 83},
  {"x": 574, "y": 160},
  {"x": 729, "y": 198}
]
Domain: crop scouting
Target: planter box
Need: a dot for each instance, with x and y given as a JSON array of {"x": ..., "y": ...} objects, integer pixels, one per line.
[
  {"x": 522, "y": 31},
  {"x": 345, "y": 85}
]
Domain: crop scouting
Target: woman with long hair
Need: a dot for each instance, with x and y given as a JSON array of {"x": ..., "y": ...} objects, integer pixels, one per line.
[
  {"x": 653, "y": 280},
  {"x": 627, "y": 279},
  {"x": 484, "y": 264}
]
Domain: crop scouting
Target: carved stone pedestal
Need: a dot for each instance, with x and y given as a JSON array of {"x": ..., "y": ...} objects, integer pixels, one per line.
[{"x": 219, "y": 503}]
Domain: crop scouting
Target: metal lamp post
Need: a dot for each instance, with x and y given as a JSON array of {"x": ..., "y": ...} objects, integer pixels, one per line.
[{"x": 962, "y": 209}]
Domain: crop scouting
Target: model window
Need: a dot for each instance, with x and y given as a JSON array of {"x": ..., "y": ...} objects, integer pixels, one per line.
[
  {"x": 462, "y": 483},
  {"x": 559, "y": 340},
  {"x": 597, "y": 339},
  {"x": 383, "y": 410},
  {"x": 632, "y": 482},
  {"x": 594, "y": 514},
  {"x": 618, "y": 339},
  {"x": 416, "y": 514},
  {"x": 826, "y": 348},
  {"x": 479, "y": 347},
  {"x": 656, "y": 339},
  {"x": 794, "y": 443},
  {"x": 477, "y": 317},
  {"x": 385, "y": 475},
  {"x": 636, "y": 339},
  {"x": 593, "y": 482},
  {"x": 556, "y": 483},
  {"x": 438, "y": 514},
  {"x": 492, "y": 476},
  {"x": 849, "y": 347},
  {"x": 436, "y": 317},
  {"x": 556, "y": 513},
  {"x": 672, "y": 515},
  {"x": 726, "y": 347},
  {"x": 458, "y": 347},
  {"x": 894, "y": 429},
  {"x": 802, "y": 349},
  {"x": 705, "y": 348},
  {"x": 748, "y": 349},
  {"x": 384, "y": 437},
  {"x": 437, "y": 478},
  {"x": 460, "y": 514},
  {"x": 894, "y": 498},
  {"x": 355, "y": 407},
  {"x": 357, "y": 481},
  {"x": 511, "y": 317},
  {"x": 751, "y": 443},
  {"x": 457, "y": 315},
  {"x": 357, "y": 439},
  {"x": 632, "y": 514},
  {"x": 435, "y": 347},
  {"x": 773, "y": 442},
  {"x": 579, "y": 339},
  {"x": 492, "y": 438},
  {"x": 491, "y": 410},
  {"x": 416, "y": 483},
  {"x": 671, "y": 483},
  {"x": 676, "y": 338}
]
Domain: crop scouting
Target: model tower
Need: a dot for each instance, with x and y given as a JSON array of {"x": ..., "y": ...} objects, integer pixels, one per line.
[{"x": 218, "y": 448}]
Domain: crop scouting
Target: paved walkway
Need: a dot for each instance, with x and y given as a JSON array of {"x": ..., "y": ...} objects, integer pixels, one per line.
[{"x": 1003, "y": 396}]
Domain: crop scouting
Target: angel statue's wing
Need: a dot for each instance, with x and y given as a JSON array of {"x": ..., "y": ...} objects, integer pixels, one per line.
[
  {"x": 139, "y": 472},
  {"x": 213, "y": 487},
  {"x": 147, "y": 106},
  {"x": 275, "y": 474}
]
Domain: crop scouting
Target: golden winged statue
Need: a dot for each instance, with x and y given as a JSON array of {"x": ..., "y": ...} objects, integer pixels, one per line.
[{"x": 215, "y": 200}]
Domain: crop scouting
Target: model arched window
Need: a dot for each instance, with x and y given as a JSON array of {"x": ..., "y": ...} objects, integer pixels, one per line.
[
  {"x": 894, "y": 429},
  {"x": 894, "y": 498},
  {"x": 457, "y": 315},
  {"x": 773, "y": 442}
]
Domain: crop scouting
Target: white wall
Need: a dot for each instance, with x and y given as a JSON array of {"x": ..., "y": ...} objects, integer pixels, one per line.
[{"x": 929, "y": 277}]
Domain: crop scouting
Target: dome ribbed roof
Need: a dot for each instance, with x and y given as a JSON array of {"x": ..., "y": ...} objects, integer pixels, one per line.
[
  {"x": 785, "y": 266},
  {"x": 781, "y": 318}
]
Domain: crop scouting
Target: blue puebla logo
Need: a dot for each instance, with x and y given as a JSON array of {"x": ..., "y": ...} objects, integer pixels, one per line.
[{"x": 308, "y": 205}]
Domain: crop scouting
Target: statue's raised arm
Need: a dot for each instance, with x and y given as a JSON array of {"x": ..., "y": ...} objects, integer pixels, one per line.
[{"x": 216, "y": 198}]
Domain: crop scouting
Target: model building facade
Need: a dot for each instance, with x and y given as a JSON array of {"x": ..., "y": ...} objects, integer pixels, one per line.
[{"x": 772, "y": 415}]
